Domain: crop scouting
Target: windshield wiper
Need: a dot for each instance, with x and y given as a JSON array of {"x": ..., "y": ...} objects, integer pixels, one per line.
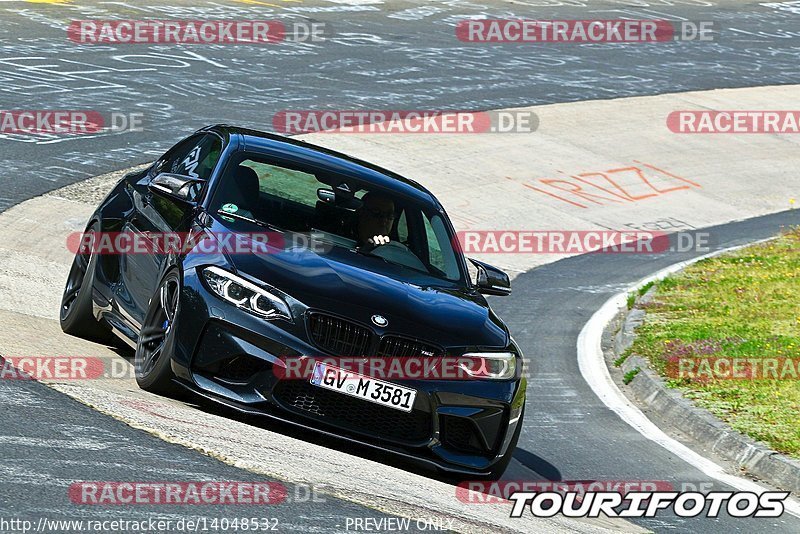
[{"x": 250, "y": 220}]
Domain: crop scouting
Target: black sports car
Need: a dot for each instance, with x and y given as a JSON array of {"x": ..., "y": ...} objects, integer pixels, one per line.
[{"x": 365, "y": 265}]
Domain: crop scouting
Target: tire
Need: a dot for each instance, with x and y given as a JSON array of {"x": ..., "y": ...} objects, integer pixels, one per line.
[
  {"x": 76, "y": 314},
  {"x": 500, "y": 467},
  {"x": 153, "y": 360}
]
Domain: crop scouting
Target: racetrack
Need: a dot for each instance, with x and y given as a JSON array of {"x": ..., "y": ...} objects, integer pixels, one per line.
[
  {"x": 547, "y": 310},
  {"x": 569, "y": 433},
  {"x": 398, "y": 54}
]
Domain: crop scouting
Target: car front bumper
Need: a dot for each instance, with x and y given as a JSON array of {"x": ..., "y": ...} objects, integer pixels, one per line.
[{"x": 230, "y": 356}]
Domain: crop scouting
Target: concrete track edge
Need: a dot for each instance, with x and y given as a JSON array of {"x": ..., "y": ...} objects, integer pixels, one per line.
[{"x": 593, "y": 366}]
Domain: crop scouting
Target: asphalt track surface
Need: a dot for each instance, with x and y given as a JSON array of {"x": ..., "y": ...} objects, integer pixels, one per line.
[
  {"x": 546, "y": 311},
  {"x": 50, "y": 441},
  {"x": 382, "y": 55},
  {"x": 401, "y": 56}
]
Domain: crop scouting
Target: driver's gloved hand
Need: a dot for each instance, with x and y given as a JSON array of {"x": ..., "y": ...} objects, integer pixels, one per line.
[{"x": 378, "y": 240}]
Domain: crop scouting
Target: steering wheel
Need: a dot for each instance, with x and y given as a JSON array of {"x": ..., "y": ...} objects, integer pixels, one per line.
[{"x": 396, "y": 252}]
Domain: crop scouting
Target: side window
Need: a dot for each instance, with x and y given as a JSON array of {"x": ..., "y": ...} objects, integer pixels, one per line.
[
  {"x": 196, "y": 157},
  {"x": 283, "y": 183},
  {"x": 440, "y": 254},
  {"x": 402, "y": 228},
  {"x": 434, "y": 250},
  {"x": 179, "y": 151}
]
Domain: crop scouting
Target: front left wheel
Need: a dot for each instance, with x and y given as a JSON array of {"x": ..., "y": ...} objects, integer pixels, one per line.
[{"x": 153, "y": 351}]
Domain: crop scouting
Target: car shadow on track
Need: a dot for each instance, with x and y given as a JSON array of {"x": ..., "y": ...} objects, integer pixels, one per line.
[
  {"x": 538, "y": 465},
  {"x": 310, "y": 436}
]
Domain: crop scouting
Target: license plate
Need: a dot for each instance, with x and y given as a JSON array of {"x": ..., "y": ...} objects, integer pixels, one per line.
[{"x": 363, "y": 387}]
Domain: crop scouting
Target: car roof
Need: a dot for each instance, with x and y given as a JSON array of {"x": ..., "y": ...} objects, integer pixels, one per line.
[{"x": 328, "y": 159}]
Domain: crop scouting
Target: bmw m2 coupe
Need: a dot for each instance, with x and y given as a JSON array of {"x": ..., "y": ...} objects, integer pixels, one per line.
[{"x": 356, "y": 262}]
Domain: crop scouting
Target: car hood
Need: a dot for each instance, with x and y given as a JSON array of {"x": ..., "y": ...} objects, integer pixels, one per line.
[{"x": 447, "y": 316}]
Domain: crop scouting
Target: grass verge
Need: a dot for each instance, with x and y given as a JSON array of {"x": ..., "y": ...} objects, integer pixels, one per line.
[{"x": 741, "y": 309}]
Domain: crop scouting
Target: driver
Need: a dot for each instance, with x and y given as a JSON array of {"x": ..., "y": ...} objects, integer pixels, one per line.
[{"x": 375, "y": 219}]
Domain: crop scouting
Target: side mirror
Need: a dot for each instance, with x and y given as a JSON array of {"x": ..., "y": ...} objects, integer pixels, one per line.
[
  {"x": 491, "y": 280},
  {"x": 326, "y": 195},
  {"x": 177, "y": 186}
]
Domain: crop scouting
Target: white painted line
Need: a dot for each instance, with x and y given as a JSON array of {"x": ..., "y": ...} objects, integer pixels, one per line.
[{"x": 595, "y": 372}]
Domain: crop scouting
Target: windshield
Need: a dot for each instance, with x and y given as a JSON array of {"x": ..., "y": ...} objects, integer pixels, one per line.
[{"x": 339, "y": 211}]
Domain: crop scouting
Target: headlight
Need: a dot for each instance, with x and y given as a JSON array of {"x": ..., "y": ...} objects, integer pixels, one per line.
[
  {"x": 491, "y": 365},
  {"x": 246, "y": 295}
]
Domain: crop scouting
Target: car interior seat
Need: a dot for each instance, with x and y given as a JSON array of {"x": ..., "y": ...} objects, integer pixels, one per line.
[{"x": 244, "y": 190}]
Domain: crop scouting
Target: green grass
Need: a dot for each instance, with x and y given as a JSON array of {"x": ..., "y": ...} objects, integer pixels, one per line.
[
  {"x": 286, "y": 183},
  {"x": 746, "y": 305},
  {"x": 645, "y": 288},
  {"x": 629, "y": 375}
]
